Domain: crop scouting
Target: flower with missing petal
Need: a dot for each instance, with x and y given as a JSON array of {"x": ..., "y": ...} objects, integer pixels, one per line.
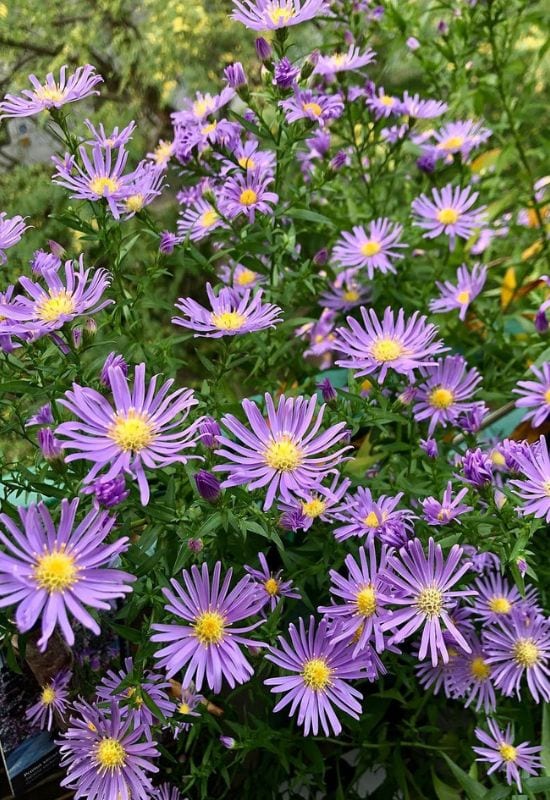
[
  {"x": 53, "y": 702},
  {"x": 274, "y": 588},
  {"x": 460, "y": 295},
  {"x": 501, "y": 753},
  {"x": 266, "y": 15},
  {"x": 51, "y": 94},
  {"x": 231, "y": 314}
]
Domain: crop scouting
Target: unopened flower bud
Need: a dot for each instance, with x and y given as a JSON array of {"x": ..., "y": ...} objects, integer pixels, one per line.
[
  {"x": 112, "y": 360},
  {"x": 208, "y": 485},
  {"x": 209, "y": 431},
  {"x": 263, "y": 49},
  {"x": 50, "y": 446}
]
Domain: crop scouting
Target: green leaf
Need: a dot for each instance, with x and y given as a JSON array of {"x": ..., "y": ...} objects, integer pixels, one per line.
[
  {"x": 442, "y": 790},
  {"x": 309, "y": 216},
  {"x": 473, "y": 789},
  {"x": 537, "y": 784},
  {"x": 545, "y": 739}
]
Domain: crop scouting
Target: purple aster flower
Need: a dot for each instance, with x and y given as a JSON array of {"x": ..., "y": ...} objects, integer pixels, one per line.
[
  {"x": 228, "y": 742},
  {"x": 394, "y": 133},
  {"x": 441, "y": 513},
  {"x": 468, "y": 286},
  {"x": 248, "y": 194},
  {"x": 117, "y": 138},
  {"x": 285, "y": 73},
  {"x": 448, "y": 213},
  {"x": 105, "y": 755},
  {"x": 168, "y": 242},
  {"x": 51, "y": 447},
  {"x": 263, "y": 49},
  {"x": 51, "y": 94},
  {"x": 129, "y": 698},
  {"x": 108, "y": 492},
  {"x": 501, "y": 753},
  {"x": 262, "y": 15},
  {"x": 535, "y": 395},
  {"x": 482, "y": 561},
  {"x": 364, "y": 593},
  {"x": 209, "y": 432},
  {"x": 441, "y": 675},
  {"x": 205, "y": 639},
  {"x": 365, "y": 516},
  {"x": 248, "y": 156},
  {"x": 415, "y": 107},
  {"x": 273, "y": 587},
  {"x": 112, "y": 360},
  {"x": 534, "y": 487},
  {"x": 186, "y": 703},
  {"x": 423, "y": 584},
  {"x": 320, "y": 502},
  {"x": 49, "y": 571},
  {"x": 162, "y": 153},
  {"x": 344, "y": 294},
  {"x": 477, "y": 468},
  {"x": 412, "y": 43},
  {"x": 446, "y": 392},
  {"x": 167, "y": 792},
  {"x": 235, "y": 75},
  {"x": 43, "y": 416},
  {"x": 314, "y": 106},
  {"x": 341, "y": 62},
  {"x": 199, "y": 221},
  {"x": 239, "y": 277},
  {"x": 321, "y": 337},
  {"x": 232, "y": 314},
  {"x": 208, "y": 486},
  {"x": 496, "y": 599},
  {"x": 292, "y": 520},
  {"x": 471, "y": 677},
  {"x": 143, "y": 185},
  {"x": 321, "y": 670},
  {"x": 45, "y": 310},
  {"x": 142, "y": 428},
  {"x": 98, "y": 178},
  {"x": 328, "y": 392},
  {"x": 11, "y": 231},
  {"x": 382, "y": 104},
  {"x": 460, "y": 137},
  {"x": 399, "y": 344},
  {"x": 202, "y": 106},
  {"x": 53, "y": 703},
  {"x": 42, "y": 261},
  {"x": 430, "y": 447},
  {"x": 470, "y": 421},
  {"x": 284, "y": 452},
  {"x": 7, "y": 344},
  {"x": 517, "y": 647}
]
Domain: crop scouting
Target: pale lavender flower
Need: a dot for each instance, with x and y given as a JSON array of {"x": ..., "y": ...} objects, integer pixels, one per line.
[
  {"x": 535, "y": 395},
  {"x": 449, "y": 509},
  {"x": 468, "y": 286},
  {"x": 430, "y": 447},
  {"x": 501, "y": 753},
  {"x": 162, "y": 153},
  {"x": 328, "y": 392},
  {"x": 342, "y": 62},
  {"x": 477, "y": 468},
  {"x": 42, "y": 261},
  {"x": 167, "y": 792},
  {"x": 143, "y": 185},
  {"x": 314, "y": 106},
  {"x": 460, "y": 137},
  {"x": 482, "y": 560},
  {"x": 285, "y": 73},
  {"x": 248, "y": 156},
  {"x": 372, "y": 250},
  {"x": 129, "y": 698},
  {"x": 248, "y": 195},
  {"x": 51, "y": 447},
  {"x": 231, "y": 314},
  {"x": 202, "y": 106},
  {"x": 263, "y": 49},
  {"x": 344, "y": 294},
  {"x": 382, "y": 104},
  {"x": 43, "y": 416},
  {"x": 273, "y": 587},
  {"x": 186, "y": 703},
  {"x": 321, "y": 337},
  {"x": 117, "y": 138},
  {"x": 284, "y": 452},
  {"x": 53, "y": 703},
  {"x": 292, "y": 520},
  {"x": 497, "y": 600},
  {"x": 262, "y": 15},
  {"x": 48, "y": 571},
  {"x": 321, "y": 669},
  {"x": 470, "y": 421},
  {"x": 449, "y": 212},
  {"x": 204, "y": 639},
  {"x": 365, "y": 516},
  {"x": 228, "y": 742},
  {"x": 168, "y": 242},
  {"x": 470, "y": 676},
  {"x": 414, "y": 106},
  {"x": 445, "y": 392},
  {"x": 235, "y": 75},
  {"x": 209, "y": 432},
  {"x": 534, "y": 487},
  {"x": 320, "y": 502},
  {"x": 112, "y": 360},
  {"x": 141, "y": 429},
  {"x": 11, "y": 231},
  {"x": 199, "y": 221},
  {"x": 412, "y": 43},
  {"x": 394, "y": 133},
  {"x": 51, "y": 94}
]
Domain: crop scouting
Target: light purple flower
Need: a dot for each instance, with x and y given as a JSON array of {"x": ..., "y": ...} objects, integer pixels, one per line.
[
  {"x": 501, "y": 753},
  {"x": 112, "y": 360},
  {"x": 320, "y": 502},
  {"x": 129, "y": 698},
  {"x": 468, "y": 286},
  {"x": 106, "y": 756},
  {"x": 446, "y": 392},
  {"x": 285, "y": 452},
  {"x": 399, "y": 344},
  {"x": 365, "y": 516},
  {"x": 235, "y": 75},
  {"x": 248, "y": 156},
  {"x": 423, "y": 584},
  {"x": 43, "y": 416},
  {"x": 342, "y": 62},
  {"x": 373, "y": 250},
  {"x": 208, "y": 486},
  {"x": 239, "y": 277},
  {"x": 51, "y": 447},
  {"x": 117, "y": 138},
  {"x": 321, "y": 669},
  {"x": 42, "y": 261},
  {"x": 48, "y": 571},
  {"x": 414, "y": 106},
  {"x": 441, "y": 513},
  {"x": 430, "y": 447},
  {"x": 496, "y": 599},
  {"x": 167, "y": 792},
  {"x": 449, "y": 212},
  {"x": 11, "y": 231},
  {"x": 460, "y": 137},
  {"x": 108, "y": 493},
  {"x": 311, "y": 105},
  {"x": 477, "y": 468},
  {"x": 248, "y": 195},
  {"x": 199, "y": 221},
  {"x": 534, "y": 486},
  {"x": 412, "y": 43},
  {"x": 382, "y": 104},
  {"x": 141, "y": 429},
  {"x": 273, "y": 587},
  {"x": 321, "y": 337},
  {"x": 53, "y": 703},
  {"x": 285, "y": 73},
  {"x": 535, "y": 395},
  {"x": 143, "y": 185},
  {"x": 262, "y": 15},
  {"x": 186, "y": 703},
  {"x": 344, "y": 294},
  {"x": 51, "y": 94},
  {"x": 202, "y": 106},
  {"x": 209, "y": 432},
  {"x": 231, "y": 314},
  {"x": 205, "y": 639},
  {"x": 471, "y": 676}
]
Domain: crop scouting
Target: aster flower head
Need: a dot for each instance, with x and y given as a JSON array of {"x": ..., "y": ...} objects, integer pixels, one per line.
[
  {"x": 534, "y": 486},
  {"x": 52, "y": 94},
  {"x": 231, "y": 314},
  {"x": 117, "y": 138},
  {"x": 443, "y": 512},
  {"x": 445, "y": 392},
  {"x": 518, "y": 647},
  {"x": 112, "y": 360},
  {"x": 373, "y": 250},
  {"x": 319, "y": 502},
  {"x": 202, "y": 106},
  {"x": 460, "y": 295},
  {"x": 43, "y": 416},
  {"x": 313, "y": 106},
  {"x": 460, "y": 137},
  {"x": 477, "y": 468},
  {"x": 429, "y": 446},
  {"x": 535, "y": 395},
  {"x": 142, "y": 427},
  {"x": 364, "y": 516},
  {"x": 248, "y": 156},
  {"x": 502, "y": 754},
  {"x": 321, "y": 669},
  {"x": 187, "y": 701},
  {"x": 382, "y": 104},
  {"x": 394, "y": 343},
  {"x": 239, "y": 277},
  {"x": 53, "y": 702},
  {"x": 129, "y": 698},
  {"x": 43, "y": 261},
  {"x": 167, "y": 792},
  {"x": 143, "y": 185},
  {"x": 423, "y": 584},
  {"x": 273, "y": 586},
  {"x": 108, "y": 492},
  {"x": 11, "y": 231},
  {"x": 321, "y": 337},
  {"x": 262, "y": 15},
  {"x": 471, "y": 676},
  {"x": 343, "y": 62},
  {"x": 449, "y": 212},
  {"x": 248, "y": 195},
  {"x": 497, "y": 600},
  {"x": 106, "y": 755},
  {"x": 414, "y": 106},
  {"x": 199, "y": 221},
  {"x": 285, "y": 452},
  {"x": 204, "y": 639},
  {"x": 482, "y": 561},
  {"x": 344, "y": 294},
  {"x": 64, "y": 297},
  {"x": 285, "y": 73},
  {"x": 48, "y": 570}
]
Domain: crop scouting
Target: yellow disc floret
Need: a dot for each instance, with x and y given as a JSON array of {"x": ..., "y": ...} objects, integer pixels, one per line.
[
  {"x": 57, "y": 304},
  {"x": 366, "y": 601},
  {"x": 245, "y": 277},
  {"x": 279, "y": 15},
  {"x": 313, "y": 508},
  {"x": 271, "y": 585},
  {"x": 209, "y": 627},
  {"x": 316, "y": 674},
  {"x": 430, "y": 601},
  {"x": 526, "y": 653},
  {"x": 98, "y": 185},
  {"x": 371, "y": 520},
  {"x": 500, "y": 605},
  {"x": 131, "y": 431},
  {"x": 387, "y": 350},
  {"x": 208, "y": 218},
  {"x": 50, "y": 94},
  {"x": 479, "y": 668},
  {"x": 48, "y": 695},
  {"x": 248, "y": 197},
  {"x": 283, "y": 455},
  {"x": 228, "y": 320},
  {"x": 312, "y": 108},
  {"x": 508, "y": 751},
  {"x": 448, "y": 216},
  {"x": 463, "y": 297},
  {"x": 370, "y": 248},
  {"x": 452, "y": 143},
  {"x": 110, "y": 754},
  {"x": 441, "y": 398},
  {"x": 55, "y": 571},
  {"x": 135, "y": 202}
]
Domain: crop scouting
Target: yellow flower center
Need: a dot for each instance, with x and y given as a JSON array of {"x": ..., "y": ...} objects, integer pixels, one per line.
[
  {"x": 366, "y": 385},
  {"x": 55, "y": 571},
  {"x": 312, "y": 108},
  {"x": 184, "y": 708},
  {"x": 338, "y": 59},
  {"x": 447, "y": 216},
  {"x": 246, "y": 163},
  {"x": 508, "y": 751},
  {"x": 51, "y": 94},
  {"x": 248, "y": 197},
  {"x": 48, "y": 695},
  {"x": 271, "y": 586},
  {"x": 387, "y": 350},
  {"x": 98, "y": 185},
  {"x": 278, "y": 15},
  {"x": 210, "y": 128},
  {"x": 163, "y": 152},
  {"x": 316, "y": 674},
  {"x": 200, "y": 107},
  {"x": 283, "y": 455},
  {"x": 430, "y": 601},
  {"x": 313, "y": 508},
  {"x": 351, "y": 296},
  {"x": 547, "y": 396},
  {"x": 133, "y": 431},
  {"x": 245, "y": 277},
  {"x": 209, "y": 628},
  {"x": 452, "y": 143},
  {"x": 58, "y": 304},
  {"x": 443, "y": 515},
  {"x": 370, "y": 248},
  {"x": 479, "y": 668},
  {"x": 441, "y": 398},
  {"x": 500, "y": 605},
  {"x": 371, "y": 520},
  {"x": 135, "y": 202},
  {"x": 387, "y": 100},
  {"x": 208, "y": 218},
  {"x": 110, "y": 754},
  {"x": 526, "y": 652},
  {"x": 366, "y": 601},
  {"x": 228, "y": 321},
  {"x": 463, "y": 297}
]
